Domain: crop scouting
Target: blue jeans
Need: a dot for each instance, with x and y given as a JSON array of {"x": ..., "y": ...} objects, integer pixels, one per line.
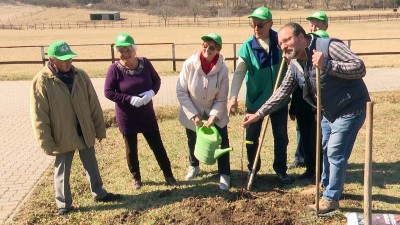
[
  {"x": 338, "y": 139},
  {"x": 279, "y": 130}
]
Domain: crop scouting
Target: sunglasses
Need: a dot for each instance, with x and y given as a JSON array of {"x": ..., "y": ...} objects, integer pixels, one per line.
[{"x": 260, "y": 25}]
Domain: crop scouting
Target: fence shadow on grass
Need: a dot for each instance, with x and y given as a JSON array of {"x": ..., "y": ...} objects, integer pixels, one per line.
[
  {"x": 205, "y": 186},
  {"x": 383, "y": 174}
]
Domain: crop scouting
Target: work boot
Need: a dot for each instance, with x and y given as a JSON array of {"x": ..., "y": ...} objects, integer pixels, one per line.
[
  {"x": 193, "y": 171},
  {"x": 325, "y": 206}
]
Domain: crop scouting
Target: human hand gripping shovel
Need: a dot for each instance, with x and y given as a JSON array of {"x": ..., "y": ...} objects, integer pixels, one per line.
[{"x": 264, "y": 128}]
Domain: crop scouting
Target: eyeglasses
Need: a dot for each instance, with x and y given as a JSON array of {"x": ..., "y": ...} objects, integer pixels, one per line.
[
  {"x": 212, "y": 48},
  {"x": 260, "y": 25}
]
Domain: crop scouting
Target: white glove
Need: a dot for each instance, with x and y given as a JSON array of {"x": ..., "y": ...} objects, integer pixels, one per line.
[
  {"x": 136, "y": 101},
  {"x": 146, "y": 96}
]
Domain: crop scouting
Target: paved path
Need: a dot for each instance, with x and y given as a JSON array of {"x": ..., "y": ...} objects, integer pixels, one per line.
[{"x": 22, "y": 163}]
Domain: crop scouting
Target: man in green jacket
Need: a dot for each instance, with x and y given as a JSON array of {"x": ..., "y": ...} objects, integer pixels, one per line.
[
  {"x": 259, "y": 62},
  {"x": 66, "y": 116}
]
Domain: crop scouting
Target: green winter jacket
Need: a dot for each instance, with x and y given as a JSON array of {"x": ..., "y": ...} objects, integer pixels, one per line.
[{"x": 262, "y": 70}]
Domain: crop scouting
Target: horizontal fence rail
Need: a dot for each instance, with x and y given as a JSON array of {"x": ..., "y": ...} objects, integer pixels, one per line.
[
  {"x": 174, "y": 22},
  {"x": 231, "y": 57}
]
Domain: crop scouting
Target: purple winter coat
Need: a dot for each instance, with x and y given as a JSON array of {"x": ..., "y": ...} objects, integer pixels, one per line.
[{"x": 119, "y": 87}]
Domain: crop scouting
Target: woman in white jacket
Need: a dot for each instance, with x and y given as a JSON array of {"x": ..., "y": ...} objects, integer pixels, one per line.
[{"x": 202, "y": 91}]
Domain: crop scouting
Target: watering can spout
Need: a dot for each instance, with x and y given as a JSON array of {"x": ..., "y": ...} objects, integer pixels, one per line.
[{"x": 219, "y": 152}]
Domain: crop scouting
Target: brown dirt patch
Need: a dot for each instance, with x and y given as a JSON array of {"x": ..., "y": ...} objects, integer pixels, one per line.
[{"x": 268, "y": 204}]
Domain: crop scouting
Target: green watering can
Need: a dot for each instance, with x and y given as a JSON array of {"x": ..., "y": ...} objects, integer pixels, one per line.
[{"x": 207, "y": 146}]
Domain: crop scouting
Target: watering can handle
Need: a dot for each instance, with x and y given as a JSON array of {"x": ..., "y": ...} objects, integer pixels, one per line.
[{"x": 198, "y": 127}]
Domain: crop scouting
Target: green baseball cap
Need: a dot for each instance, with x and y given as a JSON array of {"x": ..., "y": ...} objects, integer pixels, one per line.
[
  {"x": 320, "y": 33},
  {"x": 320, "y": 15},
  {"x": 261, "y": 13},
  {"x": 124, "y": 39},
  {"x": 213, "y": 36},
  {"x": 60, "y": 50}
]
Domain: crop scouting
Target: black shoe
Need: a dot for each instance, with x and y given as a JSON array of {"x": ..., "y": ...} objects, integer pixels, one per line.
[
  {"x": 136, "y": 184},
  {"x": 284, "y": 178},
  {"x": 306, "y": 175},
  {"x": 110, "y": 197},
  {"x": 296, "y": 164},
  {"x": 171, "y": 181},
  {"x": 64, "y": 211}
]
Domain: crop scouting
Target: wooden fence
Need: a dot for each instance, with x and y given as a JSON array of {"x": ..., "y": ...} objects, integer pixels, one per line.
[
  {"x": 176, "y": 22},
  {"x": 230, "y": 56}
]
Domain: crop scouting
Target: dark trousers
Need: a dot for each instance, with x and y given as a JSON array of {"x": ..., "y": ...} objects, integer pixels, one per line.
[
  {"x": 279, "y": 130},
  {"x": 156, "y": 145},
  {"x": 223, "y": 161},
  {"x": 307, "y": 126}
]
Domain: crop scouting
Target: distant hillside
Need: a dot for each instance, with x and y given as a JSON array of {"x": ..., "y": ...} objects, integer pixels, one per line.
[{"x": 197, "y": 8}]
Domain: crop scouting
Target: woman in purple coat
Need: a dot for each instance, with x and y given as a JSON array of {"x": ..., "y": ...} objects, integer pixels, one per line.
[{"x": 131, "y": 83}]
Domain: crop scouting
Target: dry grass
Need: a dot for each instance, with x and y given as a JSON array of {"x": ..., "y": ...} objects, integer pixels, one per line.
[{"x": 156, "y": 204}]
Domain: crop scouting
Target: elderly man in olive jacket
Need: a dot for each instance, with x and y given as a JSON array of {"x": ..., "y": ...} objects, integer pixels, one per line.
[{"x": 66, "y": 116}]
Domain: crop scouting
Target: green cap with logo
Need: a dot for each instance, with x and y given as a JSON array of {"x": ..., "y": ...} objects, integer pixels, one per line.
[
  {"x": 320, "y": 15},
  {"x": 320, "y": 33},
  {"x": 123, "y": 40},
  {"x": 60, "y": 50},
  {"x": 261, "y": 13},
  {"x": 213, "y": 36}
]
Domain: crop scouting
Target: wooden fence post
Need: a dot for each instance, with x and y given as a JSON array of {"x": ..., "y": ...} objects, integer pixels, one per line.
[
  {"x": 112, "y": 53},
  {"x": 43, "y": 55},
  {"x": 234, "y": 56},
  {"x": 173, "y": 58}
]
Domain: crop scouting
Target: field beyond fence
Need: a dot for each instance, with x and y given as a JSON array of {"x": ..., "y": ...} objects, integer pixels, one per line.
[
  {"x": 366, "y": 32},
  {"x": 188, "y": 22}
]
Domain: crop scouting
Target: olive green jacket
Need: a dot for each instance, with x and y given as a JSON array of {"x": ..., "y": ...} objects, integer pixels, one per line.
[{"x": 55, "y": 112}]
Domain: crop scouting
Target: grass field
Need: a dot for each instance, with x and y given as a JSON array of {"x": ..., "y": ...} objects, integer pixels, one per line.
[
  {"x": 177, "y": 35},
  {"x": 158, "y": 204}
]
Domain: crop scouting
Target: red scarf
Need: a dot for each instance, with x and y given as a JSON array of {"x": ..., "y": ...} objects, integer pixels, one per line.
[{"x": 208, "y": 67}]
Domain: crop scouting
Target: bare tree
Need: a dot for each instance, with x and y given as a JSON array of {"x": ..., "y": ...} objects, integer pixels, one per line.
[
  {"x": 165, "y": 10},
  {"x": 326, "y": 3},
  {"x": 195, "y": 8},
  {"x": 143, "y": 2}
]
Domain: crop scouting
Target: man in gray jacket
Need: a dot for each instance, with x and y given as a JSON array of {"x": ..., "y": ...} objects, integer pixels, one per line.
[{"x": 66, "y": 116}]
